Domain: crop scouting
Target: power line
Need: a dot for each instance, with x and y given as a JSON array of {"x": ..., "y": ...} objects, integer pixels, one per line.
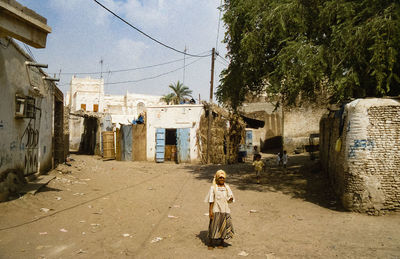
[
  {"x": 152, "y": 77},
  {"x": 222, "y": 63},
  {"x": 148, "y": 36},
  {"x": 218, "y": 55},
  {"x": 29, "y": 52},
  {"x": 121, "y": 70},
  {"x": 219, "y": 21}
]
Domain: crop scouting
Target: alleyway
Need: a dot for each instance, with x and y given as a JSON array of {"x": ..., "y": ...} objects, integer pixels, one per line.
[{"x": 112, "y": 209}]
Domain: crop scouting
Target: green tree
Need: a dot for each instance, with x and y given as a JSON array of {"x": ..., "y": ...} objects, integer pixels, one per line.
[
  {"x": 180, "y": 92},
  {"x": 168, "y": 98},
  {"x": 295, "y": 47}
]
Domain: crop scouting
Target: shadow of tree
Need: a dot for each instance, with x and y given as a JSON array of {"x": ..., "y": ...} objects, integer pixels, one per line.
[{"x": 302, "y": 179}]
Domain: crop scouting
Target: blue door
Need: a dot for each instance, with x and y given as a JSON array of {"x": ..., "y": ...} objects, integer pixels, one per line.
[
  {"x": 160, "y": 145},
  {"x": 183, "y": 145},
  {"x": 249, "y": 142}
]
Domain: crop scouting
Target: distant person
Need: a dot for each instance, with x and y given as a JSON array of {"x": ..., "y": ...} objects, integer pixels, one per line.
[
  {"x": 279, "y": 159},
  {"x": 284, "y": 159},
  {"x": 220, "y": 227},
  {"x": 258, "y": 167},
  {"x": 192, "y": 101},
  {"x": 255, "y": 153}
]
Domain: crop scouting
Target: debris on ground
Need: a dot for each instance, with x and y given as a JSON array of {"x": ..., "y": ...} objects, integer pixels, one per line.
[
  {"x": 63, "y": 230},
  {"x": 243, "y": 253},
  {"x": 156, "y": 239}
]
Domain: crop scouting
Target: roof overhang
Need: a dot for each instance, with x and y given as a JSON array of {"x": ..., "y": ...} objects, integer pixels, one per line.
[{"x": 23, "y": 24}]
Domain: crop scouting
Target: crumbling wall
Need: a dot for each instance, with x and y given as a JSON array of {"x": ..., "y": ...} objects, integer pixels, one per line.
[{"x": 360, "y": 152}]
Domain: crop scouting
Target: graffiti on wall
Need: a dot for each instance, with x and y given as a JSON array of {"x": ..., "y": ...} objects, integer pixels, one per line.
[
  {"x": 360, "y": 144},
  {"x": 29, "y": 143}
]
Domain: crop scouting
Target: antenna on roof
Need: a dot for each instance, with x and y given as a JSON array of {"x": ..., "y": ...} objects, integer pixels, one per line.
[{"x": 101, "y": 69}]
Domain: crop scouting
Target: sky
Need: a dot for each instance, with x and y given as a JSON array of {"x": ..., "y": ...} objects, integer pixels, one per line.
[{"x": 83, "y": 34}]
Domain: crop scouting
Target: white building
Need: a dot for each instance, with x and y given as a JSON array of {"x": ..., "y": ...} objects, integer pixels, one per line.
[
  {"x": 173, "y": 125},
  {"x": 87, "y": 94}
]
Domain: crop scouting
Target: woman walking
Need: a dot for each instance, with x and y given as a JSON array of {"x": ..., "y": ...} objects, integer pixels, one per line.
[{"x": 220, "y": 227}]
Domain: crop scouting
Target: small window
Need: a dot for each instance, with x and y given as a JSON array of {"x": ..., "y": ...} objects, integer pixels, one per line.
[
  {"x": 25, "y": 107},
  {"x": 83, "y": 106},
  {"x": 19, "y": 106},
  {"x": 95, "y": 107}
]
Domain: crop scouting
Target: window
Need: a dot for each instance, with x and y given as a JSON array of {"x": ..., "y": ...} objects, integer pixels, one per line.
[
  {"x": 25, "y": 107},
  {"x": 83, "y": 106},
  {"x": 95, "y": 107}
]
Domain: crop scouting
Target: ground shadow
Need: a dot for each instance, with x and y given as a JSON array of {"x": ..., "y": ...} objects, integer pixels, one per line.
[
  {"x": 203, "y": 237},
  {"x": 302, "y": 179}
]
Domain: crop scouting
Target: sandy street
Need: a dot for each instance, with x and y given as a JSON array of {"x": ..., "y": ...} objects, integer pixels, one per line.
[{"x": 111, "y": 209}]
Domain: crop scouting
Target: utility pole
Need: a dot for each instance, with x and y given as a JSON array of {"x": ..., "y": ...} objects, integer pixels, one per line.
[
  {"x": 210, "y": 109},
  {"x": 212, "y": 75},
  {"x": 184, "y": 65}
]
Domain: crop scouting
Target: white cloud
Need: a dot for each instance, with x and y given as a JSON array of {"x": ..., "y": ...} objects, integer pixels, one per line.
[{"x": 83, "y": 33}]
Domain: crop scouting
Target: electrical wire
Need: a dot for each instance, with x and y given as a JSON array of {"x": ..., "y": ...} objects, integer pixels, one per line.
[
  {"x": 148, "y": 36},
  {"x": 152, "y": 77},
  {"x": 121, "y": 70},
  {"x": 218, "y": 55},
  {"x": 219, "y": 22},
  {"x": 222, "y": 63},
  {"x": 29, "y": 52}
]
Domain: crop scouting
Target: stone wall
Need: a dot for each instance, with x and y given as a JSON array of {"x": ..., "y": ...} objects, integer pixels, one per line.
[
  {"x": 360, "y": 152},
  {"x": 299, "y": 123}
]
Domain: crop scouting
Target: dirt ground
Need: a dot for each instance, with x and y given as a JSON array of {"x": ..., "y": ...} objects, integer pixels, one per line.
[{"x": 112, "y": 209}]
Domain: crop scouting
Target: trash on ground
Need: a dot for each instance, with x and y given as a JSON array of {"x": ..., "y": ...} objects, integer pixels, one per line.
[
  {"x": 126, "y": 235},
  {"x": 156, "y": 239},
  {"x": 82, "y": 221},
  {"x": 58, "y": 198},
  {"x": 177, "y": 206},
  {"x": 253, "y": 211},
  {"x": 44, "y": 210},
  {"x": 63, "y": 230},
  {"x": 42, "y": 233},
  {"x": 206, "y": 214},
  {"x": 95, "y": 224},
  {"x": 172, "y": 217},
  {"x": 243, "y": 253}
]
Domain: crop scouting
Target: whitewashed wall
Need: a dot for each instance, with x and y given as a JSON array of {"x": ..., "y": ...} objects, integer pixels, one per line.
[{"x": 173, "y": 117}]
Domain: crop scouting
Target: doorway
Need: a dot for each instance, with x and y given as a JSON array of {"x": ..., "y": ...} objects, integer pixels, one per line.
[{"x": 170, "y": 145}]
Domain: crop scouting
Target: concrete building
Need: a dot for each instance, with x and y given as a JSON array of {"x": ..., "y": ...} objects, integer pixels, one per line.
[
  {"x": 87, "y": 95},
  {"x": 31, "y": 106},
  {"x": 169, "y": 125},
  {"x": 360, "y": 152}
]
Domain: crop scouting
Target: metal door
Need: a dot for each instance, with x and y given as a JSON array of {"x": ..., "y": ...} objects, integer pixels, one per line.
[
  {"x": 183, "y": 145},
  {"x": 160, "y": 145}
]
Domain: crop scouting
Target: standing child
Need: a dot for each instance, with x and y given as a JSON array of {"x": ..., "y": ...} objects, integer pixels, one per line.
[
  {"x": 278, "y": 159},
  {"x": 218, "y": 197},
  {"x": 284, "y": 159},
  {"x": 258, "y": 166}
]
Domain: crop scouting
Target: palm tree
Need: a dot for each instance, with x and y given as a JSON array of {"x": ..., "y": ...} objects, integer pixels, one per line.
[
  {"x": 180, "y": 91},
  {"x": 168, "y": 98}
]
